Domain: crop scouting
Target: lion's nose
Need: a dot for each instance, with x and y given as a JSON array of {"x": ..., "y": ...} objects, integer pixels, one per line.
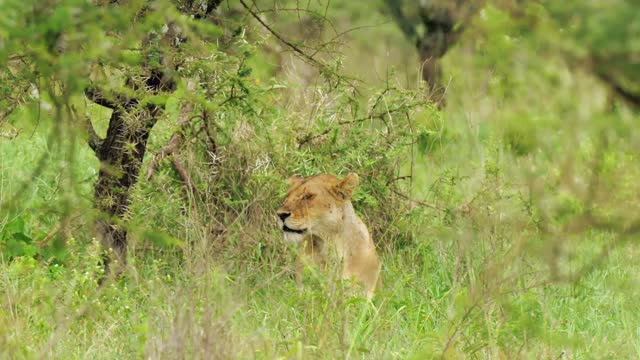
[{"x": 283, "y": 215}]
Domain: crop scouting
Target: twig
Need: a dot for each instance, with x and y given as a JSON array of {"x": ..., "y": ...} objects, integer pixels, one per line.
[
  {"x": 399, "y": 178},
  {"x": 184, "y": 174},
  {"x": 59, "y": 227},
  {"x": 418, "y": 202},
  {"x": 300, "y": 10},
  {"x": 172, "y": 145},
  {"x": 175, "y": 141},
  {"x": 457, "y": 328},
  {"x": 341, "y": 79},
  {"x": 279, "y": 37},
  {"x": 379, "y": 115}
]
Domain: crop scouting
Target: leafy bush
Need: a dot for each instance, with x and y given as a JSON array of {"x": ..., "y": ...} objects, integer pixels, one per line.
[{"x": 506, "y": 222}]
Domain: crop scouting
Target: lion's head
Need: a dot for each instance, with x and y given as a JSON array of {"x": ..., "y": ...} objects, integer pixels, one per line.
[{"x": 314, "y": 205}]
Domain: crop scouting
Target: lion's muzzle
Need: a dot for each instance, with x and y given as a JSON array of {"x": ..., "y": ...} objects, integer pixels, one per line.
[{"x": 284, "y": 215}]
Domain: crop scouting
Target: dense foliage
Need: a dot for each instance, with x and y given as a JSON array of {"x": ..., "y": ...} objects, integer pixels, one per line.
[{"x": 506, "y": 218}]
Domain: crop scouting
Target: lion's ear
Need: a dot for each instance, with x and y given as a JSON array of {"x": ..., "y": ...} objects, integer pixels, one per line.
[
  {"x": 348, "y": 185},
  {"x": 294, "y": 180}
]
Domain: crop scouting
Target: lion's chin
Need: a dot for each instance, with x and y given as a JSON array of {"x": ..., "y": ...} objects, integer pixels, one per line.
[{"x": 293, "y": 237}]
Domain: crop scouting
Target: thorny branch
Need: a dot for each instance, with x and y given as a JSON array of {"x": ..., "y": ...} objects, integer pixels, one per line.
[
  {"x": 323, "y": 68},
  {"x": 280, "y": 37},
  {"x": 169, "y": 149},
  {"x": 370, "y": 116},
  {"x": 174, "y": 144}
]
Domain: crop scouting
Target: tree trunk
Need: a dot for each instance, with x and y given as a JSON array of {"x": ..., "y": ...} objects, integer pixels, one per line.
[
  {"x": 431, "y": 70},
  {"x": 120, "y": 154},
  {"x": 433, "y": 45},
  {"x": 122, "y": 151},
  {"x": 443, "y": 22}
]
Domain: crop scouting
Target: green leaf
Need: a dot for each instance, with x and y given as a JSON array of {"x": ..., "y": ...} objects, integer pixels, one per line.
[
  {"x": 22, "y": 237},
  {"x": 16, "y": 225}
]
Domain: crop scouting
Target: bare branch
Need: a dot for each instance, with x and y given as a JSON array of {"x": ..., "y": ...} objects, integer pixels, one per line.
[
  {"x": 415, "y": 202},
  {"x": 280, "y": 37},
  {"x": 184, "y": 174},
  {"x": 379, "y": 115},
  {"x": 172, "y": 145},
  {"x": 176, "y": 139}
]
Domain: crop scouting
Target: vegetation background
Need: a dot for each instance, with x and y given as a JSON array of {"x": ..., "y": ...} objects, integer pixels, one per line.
[{"x": 496, "y": 142}]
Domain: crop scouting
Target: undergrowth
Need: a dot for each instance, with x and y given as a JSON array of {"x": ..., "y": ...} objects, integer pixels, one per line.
[{"x": 505, "y": 221}]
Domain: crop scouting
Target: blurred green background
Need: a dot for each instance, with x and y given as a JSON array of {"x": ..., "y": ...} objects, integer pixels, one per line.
[{"x": 500, "y": 184}]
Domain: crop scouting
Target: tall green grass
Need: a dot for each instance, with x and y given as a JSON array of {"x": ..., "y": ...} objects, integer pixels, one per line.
[
  {"x": 483, "y": 264},
  {"x": 460, "y": 284}
]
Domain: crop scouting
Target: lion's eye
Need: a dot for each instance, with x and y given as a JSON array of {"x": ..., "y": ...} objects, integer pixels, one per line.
[{"x": 308, "y": 197}]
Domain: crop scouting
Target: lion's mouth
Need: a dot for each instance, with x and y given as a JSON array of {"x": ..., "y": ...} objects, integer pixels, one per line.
[{"x": 285, "y": 228}]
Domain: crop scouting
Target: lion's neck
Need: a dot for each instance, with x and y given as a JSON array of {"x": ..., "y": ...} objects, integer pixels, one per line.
[
  {"x": 353, "y": 234},
  {"x": 349, "y": 215}
]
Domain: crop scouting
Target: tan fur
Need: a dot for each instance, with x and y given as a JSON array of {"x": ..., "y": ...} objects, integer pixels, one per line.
[{"x": 318, "y": 215}]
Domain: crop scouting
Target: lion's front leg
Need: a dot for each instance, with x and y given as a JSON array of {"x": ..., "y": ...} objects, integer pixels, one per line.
[{"x": 365, "y": 269}]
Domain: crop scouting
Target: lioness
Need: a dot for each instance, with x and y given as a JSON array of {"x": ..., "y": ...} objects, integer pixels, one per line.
[{"x": 318, "y": 214}]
